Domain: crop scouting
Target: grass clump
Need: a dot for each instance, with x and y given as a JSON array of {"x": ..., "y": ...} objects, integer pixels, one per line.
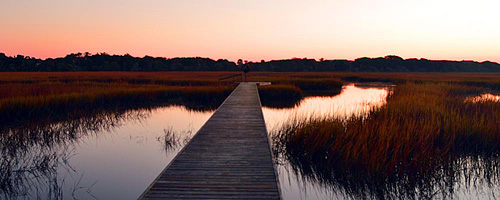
[
  {"x": 415, "y": 139},
  {"x": 280, "y": 96},
  {"x": 25, "y": 108},
  {"x": 313, "y": 84}
]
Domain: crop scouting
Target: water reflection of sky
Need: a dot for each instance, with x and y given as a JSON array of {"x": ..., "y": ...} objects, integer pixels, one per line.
[
  {"x": 471, "y": 177},
  {"x": 126, "y": 161},
  {"x": 484, "y": 97},
  {"x": 121, "y": 163},
  {"x": 352, "y": 100}
]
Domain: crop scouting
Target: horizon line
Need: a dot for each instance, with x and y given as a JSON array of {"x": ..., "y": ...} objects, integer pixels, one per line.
[{"x": 253, "y": 61}]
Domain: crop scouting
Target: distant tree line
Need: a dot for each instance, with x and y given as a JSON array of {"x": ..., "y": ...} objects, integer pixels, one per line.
[{"x": 106, "y": 62}]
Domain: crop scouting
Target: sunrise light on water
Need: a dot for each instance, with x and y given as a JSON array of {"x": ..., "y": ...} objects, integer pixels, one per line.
[{"x": 249, "y": 99}]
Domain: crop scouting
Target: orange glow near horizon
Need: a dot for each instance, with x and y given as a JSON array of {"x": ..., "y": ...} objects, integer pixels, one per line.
[{"x": 254, "y": 29}]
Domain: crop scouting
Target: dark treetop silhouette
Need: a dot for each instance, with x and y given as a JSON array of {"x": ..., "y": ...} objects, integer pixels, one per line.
[{"x": 106, "y": 62}]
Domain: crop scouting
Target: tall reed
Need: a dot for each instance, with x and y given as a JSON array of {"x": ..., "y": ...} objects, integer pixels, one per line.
[
  {"x": 421, "y": 125},
  {"x": 280, "y": 96},
  {"x": 28, "y": 108}
]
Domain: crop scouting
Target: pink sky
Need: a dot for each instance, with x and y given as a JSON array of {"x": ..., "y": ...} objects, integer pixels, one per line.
[{"x": 254, "y": 29}]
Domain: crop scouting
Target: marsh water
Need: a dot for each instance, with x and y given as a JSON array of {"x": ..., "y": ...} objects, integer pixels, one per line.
[
  {"x": 353, "y": 100},
  {"x": 109, "y": 156},
  {"x": 117, "y": 154},
  {"x": 484, "y": 97}
]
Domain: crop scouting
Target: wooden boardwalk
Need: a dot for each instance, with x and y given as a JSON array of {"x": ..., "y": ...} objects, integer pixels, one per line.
[{"x": 229, "y": 157}]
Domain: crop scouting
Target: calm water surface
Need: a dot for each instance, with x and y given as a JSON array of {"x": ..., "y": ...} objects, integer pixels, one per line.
[
  {"x": 484, "y": 97},
  {"x": 352, "y": 100},
  {"x": 117, "y": 155},
  {"x": 467, "y": 177},
  {"x": 111, "y": 156}
]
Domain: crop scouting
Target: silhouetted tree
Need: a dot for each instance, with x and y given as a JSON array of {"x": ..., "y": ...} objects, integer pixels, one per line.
[{"x": 106, "y": 62}]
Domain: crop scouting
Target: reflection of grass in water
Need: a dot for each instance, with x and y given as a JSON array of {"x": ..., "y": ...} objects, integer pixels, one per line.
[
  {"x": 470, "y": 173},
  {"x": 287, "y": 91},
  {"x": 40, "y": 116},
  {"x": 420, "y": 138},
  {"x": 288, "y": 96},
  {"x": 170, "y": 139},
  {"x": 280, "y": 96},
  {"x": 37, "y": 168},
  {"x": 32, "y": 154},
  {"x": 26, "y": 109}
]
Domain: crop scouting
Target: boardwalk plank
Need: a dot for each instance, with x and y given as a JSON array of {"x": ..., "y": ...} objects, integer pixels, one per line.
[{"x": 229, "y": 157}]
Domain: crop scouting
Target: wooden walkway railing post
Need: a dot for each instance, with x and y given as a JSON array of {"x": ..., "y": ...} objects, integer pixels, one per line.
[{"x": 228, "y": 158}]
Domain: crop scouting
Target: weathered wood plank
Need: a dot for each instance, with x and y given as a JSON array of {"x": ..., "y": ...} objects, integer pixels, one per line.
[{"x": 229, "y": 157}]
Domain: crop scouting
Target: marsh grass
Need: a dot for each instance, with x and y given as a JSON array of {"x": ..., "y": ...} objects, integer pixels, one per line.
[
  {"x": 309, "y": 85},
  {"x": 288, "y": 92},
  {"x": 55, "y": 100},
  {"x": 305, "y": 84},
  {"x": 280, "y": 96},
  {"x": 422, "y": 130},
  {"x": 421, "y": 139},
  {"x": 28, "y": 97},
  {"x": 485, "y": 80}
]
